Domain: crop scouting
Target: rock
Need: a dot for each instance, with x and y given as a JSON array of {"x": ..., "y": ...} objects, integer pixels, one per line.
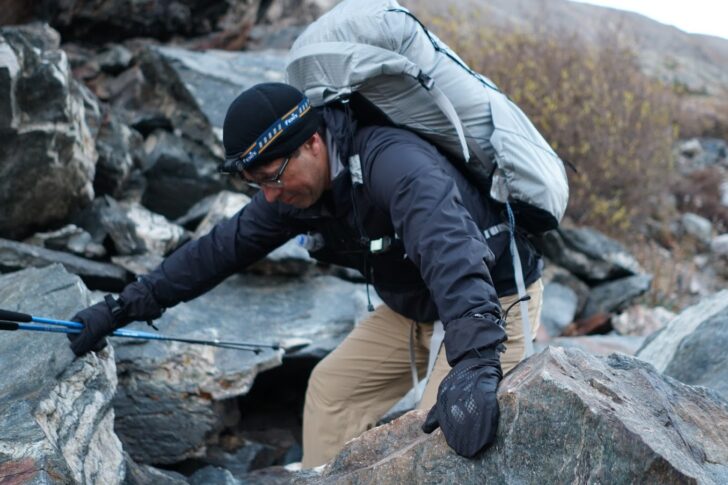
[
  {"x": 136, "y": 230},
  {"x": 690, "y": 148},
  {"x": 194, "y": 215},
  {"x": 294, "y": 12},
  {"x": 178, "y": 166},
  {"x": 196, "y": 88},
  {"x": 599, "y": 344},
  {"x": 120, "y": 157},
  {"x": 639, "y": 320},
  {"x": 147, "y": 475},
  {"x": 71, "y": 239},
  {"x": 560, "y": 304},
  {"x": 697, "y": 226},
  {"x": 106, "y": 20},
  {"x": 213, "y": 474},
  {"x": 617, "y": 420},
  {"x": 691, "y": 348},
  {"x": 48, "y": 152},
  {"x": 114, "y": 59},
  {"x": 96, "y": 275},
  {"x": 589, "y": 254},
  {"x": 615, "y": 296},
  {"x": 223, "y": 206},
  {"x": 171, "y": 395},
  {"x": 719, "y": 245},
  {"x": 56, "y": 419}
]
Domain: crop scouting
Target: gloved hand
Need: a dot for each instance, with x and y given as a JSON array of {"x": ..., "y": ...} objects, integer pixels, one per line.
[
  {"x": 467, "y": 409},
  {"x": 99, "y": 321}
]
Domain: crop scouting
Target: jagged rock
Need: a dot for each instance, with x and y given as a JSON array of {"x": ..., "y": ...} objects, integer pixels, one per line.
[
  {"x": 560, "y": 304},
  {"x": 96, "y": 275},
  {"x": 120, "y": 158},
  {"x": 194, "y": 215},
  {"x": 71, "y": 239},
  {"x": 106, "y": 20},
  {"x": 589, "y": 254},
  {"x": 178, "y": 166},
  {"x": 170, "y": 395},
  {"x": 615, "y": 296},
  {"x": 48, "y": 154},
  {"x": 691, "y": 348},
  {"x": 224, "y": 205},
  {"x": 616, "y": 420},
  {"x": 599, "y": 344},
  {"x": 698, "y": 227},
  {"x": 194, "y": 89},
  {"x": 136, "y": 230},
  {"x": 639, "y": 320},
  {"x": 56, "y": 419}
]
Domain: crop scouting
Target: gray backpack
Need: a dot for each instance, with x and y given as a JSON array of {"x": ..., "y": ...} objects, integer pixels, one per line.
[{"x": 377, "y": 49}]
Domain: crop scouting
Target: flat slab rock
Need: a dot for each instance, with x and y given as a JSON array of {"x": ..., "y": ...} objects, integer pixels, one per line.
[
  {"x": 169, "y": 397},
  {"x": 566, "y": 417}
]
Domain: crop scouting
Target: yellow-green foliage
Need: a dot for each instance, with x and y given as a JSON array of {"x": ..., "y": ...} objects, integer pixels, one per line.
[{"x": 594, "y": 106}]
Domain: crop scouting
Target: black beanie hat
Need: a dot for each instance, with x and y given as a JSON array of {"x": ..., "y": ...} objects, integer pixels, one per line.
[{"x": 265, "y": 122}]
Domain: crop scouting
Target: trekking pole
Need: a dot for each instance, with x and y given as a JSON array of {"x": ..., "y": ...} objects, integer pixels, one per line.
[{"x": 10, "y": 320}]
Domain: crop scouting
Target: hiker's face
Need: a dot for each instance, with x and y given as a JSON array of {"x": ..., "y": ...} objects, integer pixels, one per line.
[{"x": 304, "y": 178}]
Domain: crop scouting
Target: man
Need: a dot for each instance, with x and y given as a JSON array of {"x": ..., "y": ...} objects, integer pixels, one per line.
[{"x": 401, "y": 214}]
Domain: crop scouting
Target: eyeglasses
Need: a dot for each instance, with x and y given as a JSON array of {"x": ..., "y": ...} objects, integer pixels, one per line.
[{"x": 274, "y": 181}]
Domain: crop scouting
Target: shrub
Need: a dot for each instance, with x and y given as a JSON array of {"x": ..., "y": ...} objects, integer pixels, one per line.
[{"x": 593, "y": 104}]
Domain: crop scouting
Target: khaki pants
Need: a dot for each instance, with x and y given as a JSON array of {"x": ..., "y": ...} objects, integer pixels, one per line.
[{"x": 369, "y": 372}]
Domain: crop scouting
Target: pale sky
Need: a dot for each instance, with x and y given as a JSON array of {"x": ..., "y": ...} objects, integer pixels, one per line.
[{"x": 694, "y": 16}]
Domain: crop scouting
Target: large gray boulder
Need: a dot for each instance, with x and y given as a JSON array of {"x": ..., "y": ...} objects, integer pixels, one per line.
[
  {"x": 589, "y": 254},
  {"x": 566, "y": 417},
  {"x": 47, "y": 155},
  {"x": 692, "y": 347},
  {"x": 172, "y": 397},
  {"x": 56, "y": 418},
  {"x": 192, "y": 90}
]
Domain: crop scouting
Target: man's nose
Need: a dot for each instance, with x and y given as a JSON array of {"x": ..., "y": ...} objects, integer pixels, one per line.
[{"x": 271, "y": 193}]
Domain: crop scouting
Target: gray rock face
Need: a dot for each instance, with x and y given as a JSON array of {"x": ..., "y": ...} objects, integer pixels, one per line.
[
  {"x": 616, "y": 295},
  {"x": 56, "y": 419},
  {"x": 560, "y": 304},
  {"x": 589, "y": 254},
  {"x": 616, "y": 420},
  {"x": 136, "y": 230},
  {"x": 169, "y": 397},
  {"x": 103, "y": 276},
  {"x": 120, "y": 157},
  {"x": 47, "y": 156},
  {"x": 692, "y": 347}
]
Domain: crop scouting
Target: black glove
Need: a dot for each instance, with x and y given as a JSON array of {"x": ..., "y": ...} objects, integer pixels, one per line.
[
  {"x": 98, "y": 321},
  {"x": 136, "y": 302},
  {"x": 467, "y": 409}
]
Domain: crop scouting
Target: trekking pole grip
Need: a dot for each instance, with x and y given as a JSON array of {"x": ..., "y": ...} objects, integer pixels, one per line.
[{"x": 15, "y": 316}]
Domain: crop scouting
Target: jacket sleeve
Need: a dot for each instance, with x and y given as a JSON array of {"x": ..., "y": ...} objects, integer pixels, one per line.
[
  {"x": 405, "y": 178},
  {"x": 230, "y": 246}
]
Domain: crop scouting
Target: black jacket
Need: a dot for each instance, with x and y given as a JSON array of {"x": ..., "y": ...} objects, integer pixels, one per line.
[{"x": 438, "y": 267}]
